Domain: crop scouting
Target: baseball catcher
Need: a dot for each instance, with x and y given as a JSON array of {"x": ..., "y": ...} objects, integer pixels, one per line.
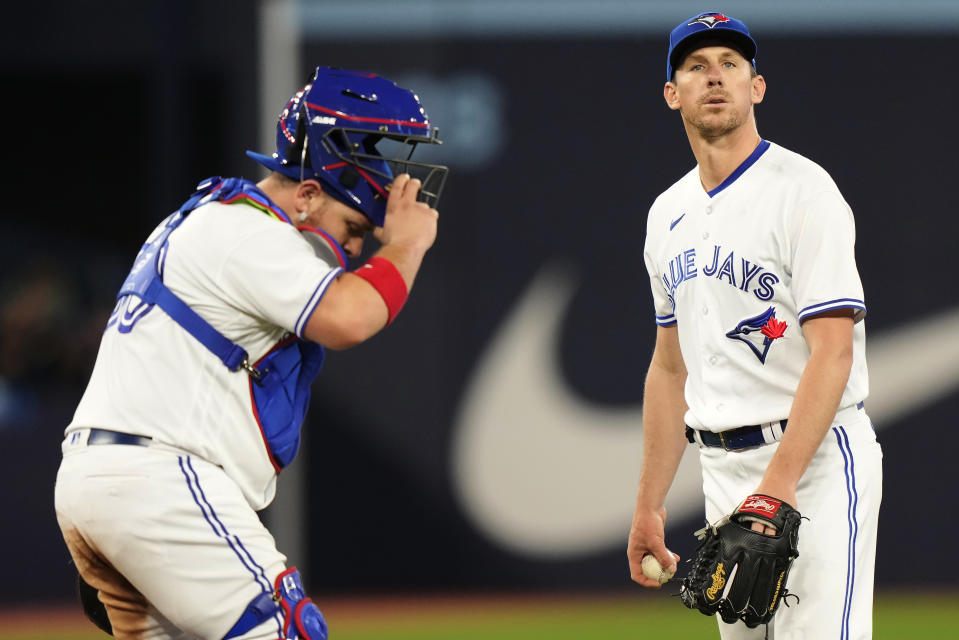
[
  {"x": 740, "y": 573},
  {"x": 204, "y": 374}
]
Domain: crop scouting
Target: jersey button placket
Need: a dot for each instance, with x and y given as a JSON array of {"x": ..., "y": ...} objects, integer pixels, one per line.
[{"x": 708, "y": 210}]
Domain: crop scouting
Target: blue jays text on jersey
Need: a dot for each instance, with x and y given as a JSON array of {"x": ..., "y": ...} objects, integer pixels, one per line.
[{"x": 739, "y": 272}]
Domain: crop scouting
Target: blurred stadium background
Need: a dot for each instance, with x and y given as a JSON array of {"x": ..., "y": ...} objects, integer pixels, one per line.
[{"x": 482, "y": 454}]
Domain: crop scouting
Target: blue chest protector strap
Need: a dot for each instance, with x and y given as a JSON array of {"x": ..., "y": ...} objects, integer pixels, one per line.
[
  {"x": 145, "y": 282},
  {"x": 233, "y": 355},
  {"x": 283, "y": 377}
]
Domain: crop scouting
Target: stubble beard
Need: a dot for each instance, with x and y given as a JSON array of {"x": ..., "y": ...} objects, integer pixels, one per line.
[{"x": 713, "y": 127}]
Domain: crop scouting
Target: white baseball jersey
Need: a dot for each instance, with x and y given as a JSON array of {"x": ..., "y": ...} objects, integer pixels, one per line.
[
  {"x": 255, "y": 279},
  {"x": 737, "y": 269}
]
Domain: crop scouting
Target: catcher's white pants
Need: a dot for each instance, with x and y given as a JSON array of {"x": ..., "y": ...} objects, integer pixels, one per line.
[
  {"x": 167, "y": 538},
  {"x": 840, "y": 494}
]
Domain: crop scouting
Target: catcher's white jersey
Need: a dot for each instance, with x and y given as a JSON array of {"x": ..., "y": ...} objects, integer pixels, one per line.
[
  {"x": 737, "y": 269},
  {"x": 253, "y": 278}
]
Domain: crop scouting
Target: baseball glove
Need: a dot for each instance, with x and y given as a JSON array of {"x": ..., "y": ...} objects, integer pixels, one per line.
[{"x": 739, "y": 573}]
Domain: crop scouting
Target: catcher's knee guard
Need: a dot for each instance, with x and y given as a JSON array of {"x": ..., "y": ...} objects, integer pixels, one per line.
[{"x": 302, "y": 619}]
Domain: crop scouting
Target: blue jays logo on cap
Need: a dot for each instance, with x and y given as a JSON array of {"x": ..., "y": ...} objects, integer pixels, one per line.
[
  {"x": 766, "y": 325},
  {"x": 711, "y": 26},
  {"x": 709, "y": 19}
]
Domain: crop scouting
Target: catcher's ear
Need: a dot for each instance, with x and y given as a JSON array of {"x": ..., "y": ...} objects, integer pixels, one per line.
[{"x": 306, "y": 191}]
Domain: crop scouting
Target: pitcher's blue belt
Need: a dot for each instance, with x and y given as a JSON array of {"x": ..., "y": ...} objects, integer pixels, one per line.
[{"x": 742, "y": 437}]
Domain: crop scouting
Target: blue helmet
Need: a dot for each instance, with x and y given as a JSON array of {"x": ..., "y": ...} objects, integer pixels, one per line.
[{"x": 353, "y": 132}]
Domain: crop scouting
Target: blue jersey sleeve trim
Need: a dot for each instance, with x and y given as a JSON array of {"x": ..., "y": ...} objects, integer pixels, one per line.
[
  {"x": 665, "y": 321},
  {"x": 841, "y": 303},
  {"x": 310, "y": 307},
  {"x": 741, "y": 169}
]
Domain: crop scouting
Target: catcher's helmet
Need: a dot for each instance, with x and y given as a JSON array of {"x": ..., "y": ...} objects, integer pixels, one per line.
[{"x": 330, "y": 129}]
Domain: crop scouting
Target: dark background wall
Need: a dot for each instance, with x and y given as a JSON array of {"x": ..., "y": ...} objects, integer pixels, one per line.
[{"x": 558, "y": 144}]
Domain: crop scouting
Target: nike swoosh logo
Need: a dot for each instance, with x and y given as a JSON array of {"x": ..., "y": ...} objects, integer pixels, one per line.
[
  {"x": 547, "y": 474},
  {"x": 676, "y": 221}
]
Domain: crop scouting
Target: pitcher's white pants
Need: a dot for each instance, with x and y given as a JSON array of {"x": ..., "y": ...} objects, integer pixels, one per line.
[{"x": 840, "y": 494}]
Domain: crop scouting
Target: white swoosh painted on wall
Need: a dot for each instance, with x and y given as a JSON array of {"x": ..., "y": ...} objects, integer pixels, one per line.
[{"x": 545, "y": 473}]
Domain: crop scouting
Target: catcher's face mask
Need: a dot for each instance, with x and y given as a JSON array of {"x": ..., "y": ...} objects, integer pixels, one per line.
[{"x": 353, "y": 132}]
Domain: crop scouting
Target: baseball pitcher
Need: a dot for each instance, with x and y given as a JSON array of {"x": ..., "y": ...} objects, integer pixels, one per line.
[{"x": 759, "y": 362}]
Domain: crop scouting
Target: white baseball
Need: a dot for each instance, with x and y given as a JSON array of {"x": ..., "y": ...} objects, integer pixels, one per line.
[{"x": 654, "y": 571}]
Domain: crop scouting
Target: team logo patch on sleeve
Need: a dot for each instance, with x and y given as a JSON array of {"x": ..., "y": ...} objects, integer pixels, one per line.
[{"x": 759, "y": 332}]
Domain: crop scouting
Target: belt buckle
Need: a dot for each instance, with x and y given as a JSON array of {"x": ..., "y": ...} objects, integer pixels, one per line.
[
  {"x": 722, "y": 441},
  {"x": 726, "y": 446}
]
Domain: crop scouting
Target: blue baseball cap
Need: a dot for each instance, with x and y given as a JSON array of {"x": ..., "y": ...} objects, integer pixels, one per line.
[{"x": 705, "y": 29}]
